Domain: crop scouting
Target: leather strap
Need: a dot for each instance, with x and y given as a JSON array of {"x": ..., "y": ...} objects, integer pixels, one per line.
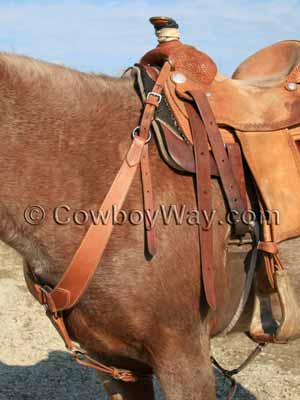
[
  {"x": 87, "y": 257},
  {"x": 204, "y": 202},
  {"x": 236, "y": 161},
  {"x": 268, "y": 247},
  {"x": 148, "y": 201},
  {"x": 124, "y": 375},
  {"x": 151, "y": 103},
  {"x": 229, "y": 184}
]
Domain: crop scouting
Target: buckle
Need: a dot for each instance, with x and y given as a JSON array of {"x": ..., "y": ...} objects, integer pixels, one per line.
[
  {"x": 76, "y": 350},
  {"x": 45, "y": 291},
  {"x": 157, "y": 95}
]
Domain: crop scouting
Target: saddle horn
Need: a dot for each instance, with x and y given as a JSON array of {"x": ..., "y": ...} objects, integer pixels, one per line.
[{"x": 166, "y": 29}]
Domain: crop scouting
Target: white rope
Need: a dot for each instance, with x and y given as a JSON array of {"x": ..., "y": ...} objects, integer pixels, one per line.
[{"x": 167, "y": 34}]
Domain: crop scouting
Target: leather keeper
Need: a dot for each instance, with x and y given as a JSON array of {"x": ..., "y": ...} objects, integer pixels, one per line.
[
  {"x": 268, "y": 247},
  {"x": 153, "y": 100}
]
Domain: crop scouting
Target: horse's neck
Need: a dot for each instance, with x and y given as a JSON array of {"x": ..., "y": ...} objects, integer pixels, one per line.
[
  {"x": 58, "y": 147},
  {"x": 65, "y": 113}
]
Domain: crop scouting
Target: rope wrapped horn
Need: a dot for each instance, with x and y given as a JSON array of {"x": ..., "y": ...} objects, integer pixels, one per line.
[{"x": 166, "y": 29}]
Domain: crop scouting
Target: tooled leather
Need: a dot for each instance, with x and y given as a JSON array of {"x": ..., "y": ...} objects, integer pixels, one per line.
[{"x": 196, "y": 65}]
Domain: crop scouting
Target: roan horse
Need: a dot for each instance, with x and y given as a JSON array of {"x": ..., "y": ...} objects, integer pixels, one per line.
[{"x": 63, "y": 137}]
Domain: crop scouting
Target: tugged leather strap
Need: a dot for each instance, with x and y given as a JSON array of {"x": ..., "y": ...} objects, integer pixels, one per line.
[
  {"x": 151, "y": 103},
  {"x": 204, "y": 203},
  {"x": 228, "y": 181}
]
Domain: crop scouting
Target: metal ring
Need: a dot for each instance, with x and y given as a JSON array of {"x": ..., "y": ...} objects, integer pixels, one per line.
[{"x": 134, "y": 134}]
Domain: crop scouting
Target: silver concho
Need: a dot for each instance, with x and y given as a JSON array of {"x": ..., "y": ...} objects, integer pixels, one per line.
[
  {"x": 291, "y": 86},
  {"x": 178, "y": 77}
]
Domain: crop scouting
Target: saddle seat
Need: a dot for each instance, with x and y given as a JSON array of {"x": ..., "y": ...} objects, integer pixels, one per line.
[{"x": 270, "y": 66}]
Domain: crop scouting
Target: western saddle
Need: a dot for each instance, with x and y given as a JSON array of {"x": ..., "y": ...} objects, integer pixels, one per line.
[{"x": 212, "y": 126}]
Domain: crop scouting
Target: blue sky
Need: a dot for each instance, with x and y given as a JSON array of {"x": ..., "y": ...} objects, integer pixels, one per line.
[{"x": 108, "y": 35}]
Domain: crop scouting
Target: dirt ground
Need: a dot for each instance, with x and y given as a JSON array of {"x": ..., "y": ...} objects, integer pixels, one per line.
[{"x": 34, "y": 364}]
